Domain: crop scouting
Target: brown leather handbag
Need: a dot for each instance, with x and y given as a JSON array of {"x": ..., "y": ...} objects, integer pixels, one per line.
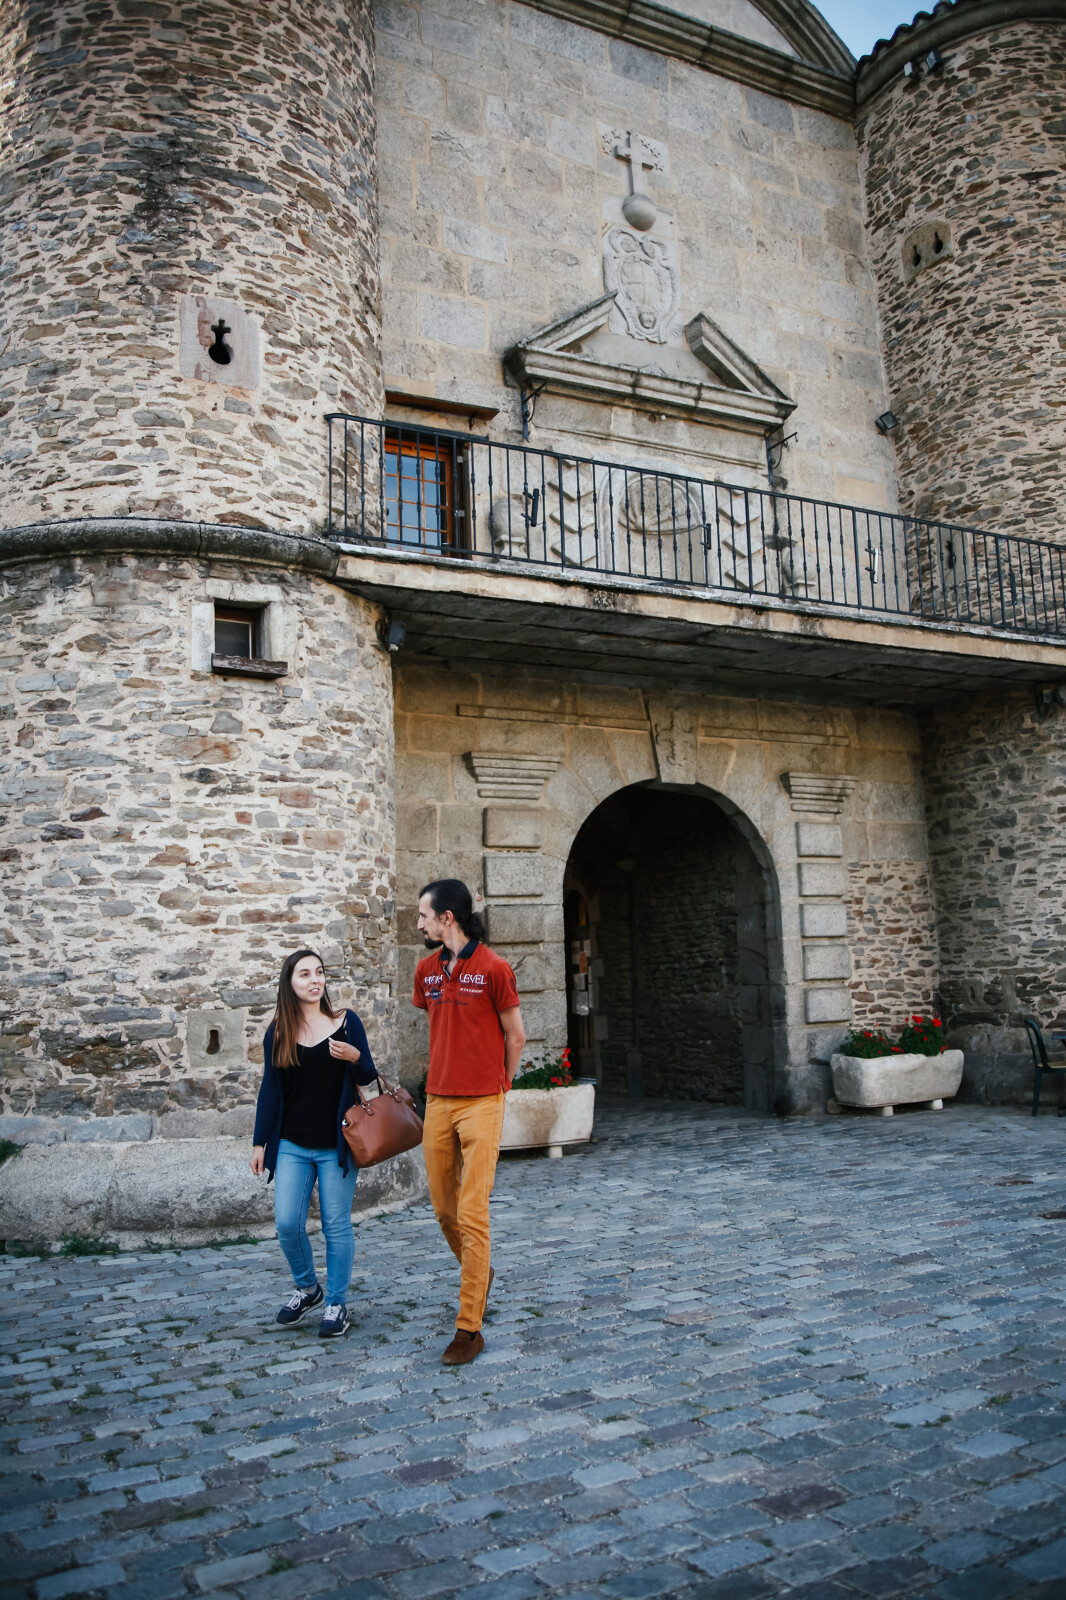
[{"x": 382, "y": 1127}]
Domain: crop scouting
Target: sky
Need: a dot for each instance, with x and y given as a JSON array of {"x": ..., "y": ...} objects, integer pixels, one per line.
[{"x": 860, "y": 23}]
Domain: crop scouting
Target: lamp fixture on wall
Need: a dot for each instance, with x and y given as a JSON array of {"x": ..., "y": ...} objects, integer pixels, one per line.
[
  {"x": 932, "y": 61},
  {"x": 886, "y": 422},
  {"x": 392, "y": 633},
  {"x": 1049, "y": 695}
]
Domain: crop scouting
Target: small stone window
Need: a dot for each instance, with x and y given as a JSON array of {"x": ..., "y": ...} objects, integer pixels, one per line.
[
  {"x": 237, "y": 630},
  {"x": 239, "y": 634}
]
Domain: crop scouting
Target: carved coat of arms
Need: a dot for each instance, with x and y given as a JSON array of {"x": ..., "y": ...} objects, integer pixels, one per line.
[{"x": 641, "y": 271}]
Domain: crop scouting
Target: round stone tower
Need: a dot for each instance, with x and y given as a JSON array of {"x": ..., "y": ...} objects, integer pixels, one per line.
[
  {"x": 189, "y": 283},
  {"x": 189, "y": 273},
  {"x": 962, "y": 128}
]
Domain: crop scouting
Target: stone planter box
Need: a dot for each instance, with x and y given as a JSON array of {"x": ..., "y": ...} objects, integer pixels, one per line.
[
  {"x": 886, "y": 1081},
  {"x": 537, "y": 1118}
]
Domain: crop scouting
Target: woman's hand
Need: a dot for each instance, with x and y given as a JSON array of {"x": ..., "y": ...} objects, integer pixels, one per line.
[
  {"x": 256, "y": 1162},
  {"x": 343, "y": 1051}
]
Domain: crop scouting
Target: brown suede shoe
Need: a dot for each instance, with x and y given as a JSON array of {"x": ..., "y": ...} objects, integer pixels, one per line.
[{"x": 463, "y": 1348}]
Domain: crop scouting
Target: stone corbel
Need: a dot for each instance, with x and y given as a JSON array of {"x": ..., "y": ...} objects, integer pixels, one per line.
[
  {"x": 810, "y": 791},
  {"x": 504, "y": 775}
]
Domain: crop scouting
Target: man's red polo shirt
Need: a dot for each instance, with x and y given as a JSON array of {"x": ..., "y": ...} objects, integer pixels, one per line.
[{"x": 466, "y": 1041}]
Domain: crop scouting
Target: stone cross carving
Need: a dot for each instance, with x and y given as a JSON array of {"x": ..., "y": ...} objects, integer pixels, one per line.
[
  {"x": 638, "y": 152},
  {"x": 636, "y": 148}
]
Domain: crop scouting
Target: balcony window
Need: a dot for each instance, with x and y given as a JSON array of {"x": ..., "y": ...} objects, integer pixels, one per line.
[{"x": 425, "y": 491}]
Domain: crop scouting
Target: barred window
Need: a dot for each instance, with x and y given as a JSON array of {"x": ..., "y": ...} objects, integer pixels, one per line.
[{"x": 424, "y": 489}]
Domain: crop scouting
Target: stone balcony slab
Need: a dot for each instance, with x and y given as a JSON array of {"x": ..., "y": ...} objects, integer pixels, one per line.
[{"x": 597, "y": 627}]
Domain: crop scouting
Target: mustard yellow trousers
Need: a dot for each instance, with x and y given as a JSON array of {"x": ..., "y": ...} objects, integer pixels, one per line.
[{"x": 461, "y": 1143}]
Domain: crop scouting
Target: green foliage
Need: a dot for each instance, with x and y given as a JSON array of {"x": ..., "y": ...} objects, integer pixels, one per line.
[
  {"x": 923, "y": 1036},
  {"x": 21, "y": 1252},
  {"x": 8, "y": 1148},
  {"x": 546, "y": 1071},
  {"x": 867, "y": 1044},
  {"x": 79, "y": 1244}
]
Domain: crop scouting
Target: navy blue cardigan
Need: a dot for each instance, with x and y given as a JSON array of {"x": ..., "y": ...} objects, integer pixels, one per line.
[{"x": 270, "y": 1105}]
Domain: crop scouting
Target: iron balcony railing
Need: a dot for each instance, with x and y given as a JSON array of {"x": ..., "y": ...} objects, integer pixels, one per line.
[{"x": 418, "y": 489}]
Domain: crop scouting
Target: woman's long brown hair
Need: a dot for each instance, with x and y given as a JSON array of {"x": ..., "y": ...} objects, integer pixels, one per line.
[{"x": 287, "y": 1010}]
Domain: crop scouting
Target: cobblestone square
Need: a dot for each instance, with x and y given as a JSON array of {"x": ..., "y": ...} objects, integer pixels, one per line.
[{"x": 725, "y": 1357}]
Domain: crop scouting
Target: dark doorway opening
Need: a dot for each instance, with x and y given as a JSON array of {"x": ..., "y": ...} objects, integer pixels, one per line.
[{"x": 671, "y": 951}]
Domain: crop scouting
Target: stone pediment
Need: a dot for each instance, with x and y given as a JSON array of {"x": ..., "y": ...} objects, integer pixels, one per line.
[{"x": 704, "y": 377}]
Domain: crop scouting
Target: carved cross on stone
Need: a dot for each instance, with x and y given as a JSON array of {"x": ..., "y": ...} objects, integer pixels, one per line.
[{"x": 640, "y": 154}]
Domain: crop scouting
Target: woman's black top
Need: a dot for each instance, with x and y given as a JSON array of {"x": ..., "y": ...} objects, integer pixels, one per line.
[{"x": 312, "y": 1090}]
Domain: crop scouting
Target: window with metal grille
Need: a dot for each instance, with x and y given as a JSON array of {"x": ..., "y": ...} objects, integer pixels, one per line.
[{"x": 424, "y": 488}]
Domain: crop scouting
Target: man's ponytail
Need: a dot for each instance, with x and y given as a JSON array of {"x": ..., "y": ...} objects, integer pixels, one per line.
[{"x": 449, "y": 894}]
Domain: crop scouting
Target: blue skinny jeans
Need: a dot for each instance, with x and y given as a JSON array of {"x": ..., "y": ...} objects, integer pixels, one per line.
[{"x": 294, "y": 1178}]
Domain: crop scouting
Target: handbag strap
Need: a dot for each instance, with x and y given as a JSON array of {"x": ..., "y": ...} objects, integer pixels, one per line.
[{"x": 386, "y": 1088}]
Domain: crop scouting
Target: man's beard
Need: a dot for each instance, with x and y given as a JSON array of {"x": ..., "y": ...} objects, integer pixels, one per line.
[{"x": 433, "y": 944}]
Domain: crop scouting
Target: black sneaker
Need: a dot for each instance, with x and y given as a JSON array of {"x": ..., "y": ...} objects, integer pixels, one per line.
[
  {"x": 300, "y": 1302},
  {"x": 335, "y": 1322}
]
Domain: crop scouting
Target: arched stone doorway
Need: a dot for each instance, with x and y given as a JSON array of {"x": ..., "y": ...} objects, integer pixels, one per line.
[{"x": 672, "y": 950}]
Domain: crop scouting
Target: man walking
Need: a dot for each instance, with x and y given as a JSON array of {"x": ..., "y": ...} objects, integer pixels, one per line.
[{"x": 475, "y": 1045}]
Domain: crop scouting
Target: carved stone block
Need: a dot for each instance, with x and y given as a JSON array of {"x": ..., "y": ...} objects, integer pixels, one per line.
[
  {"x": 514, "y": 875},
  {"x": 214, "y": 1040},
  {"x": 819, "y": 839},
  {"x": 512, "y": 828},
  {"x": 218, "y": 342},
  {"x": 823, "y": 878}
]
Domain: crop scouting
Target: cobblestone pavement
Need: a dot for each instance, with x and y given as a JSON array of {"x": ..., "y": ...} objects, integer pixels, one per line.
[{"x": 725, "y": 1357}]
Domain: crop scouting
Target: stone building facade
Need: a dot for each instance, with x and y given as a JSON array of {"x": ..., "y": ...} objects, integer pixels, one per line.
[{"x": 776, "y": 759}]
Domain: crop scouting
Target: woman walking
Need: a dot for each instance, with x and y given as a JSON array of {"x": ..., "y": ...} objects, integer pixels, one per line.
[{"x": 313, "y": 1058}]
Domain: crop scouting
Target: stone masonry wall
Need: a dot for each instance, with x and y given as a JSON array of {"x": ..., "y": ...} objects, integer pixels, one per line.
[
  {"x": 893, "y": 939},
  {"x": 492, "y": 176},
  {"x": 974, "y": 352},
  {"x": 169, "y": 835},
  {"x": 579, "y": 744},
  {"x": 891, "y": 920},
  {"x": 995, "y": 782},
  {"x": 152, "y": 152}
]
